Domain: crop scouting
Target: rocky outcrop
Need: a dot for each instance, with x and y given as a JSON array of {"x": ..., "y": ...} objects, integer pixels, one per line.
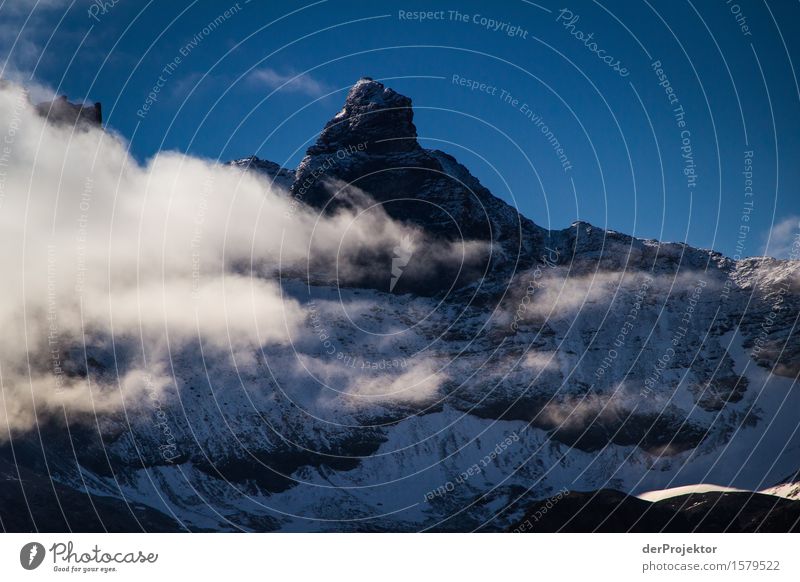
[
  {"x": 276, "y": 174},
  {"x": 62, "y": 111}
]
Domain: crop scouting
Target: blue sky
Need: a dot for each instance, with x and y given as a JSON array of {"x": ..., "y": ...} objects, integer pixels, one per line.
[{"x": 264, "y": 77}]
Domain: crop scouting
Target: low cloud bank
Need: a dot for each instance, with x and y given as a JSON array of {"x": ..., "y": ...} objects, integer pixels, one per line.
[{"x": 175, "y": 251}]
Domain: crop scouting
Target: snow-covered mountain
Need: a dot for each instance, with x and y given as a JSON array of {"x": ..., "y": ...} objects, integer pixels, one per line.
[{"x": 465, "y": 373}]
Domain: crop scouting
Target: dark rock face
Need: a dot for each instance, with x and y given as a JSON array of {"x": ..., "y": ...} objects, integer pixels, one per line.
[
  {"x": 603, "y": 511},
  {"x": 64, "y": 112},
  {"x": 716, "y": 394},
  {"x": 612, "y": 511},
  {"x": 278, "y": 175},
  {"x": 47, "y": 506},
  {"x": 371, "y": 145},
  {"x": 652, "y": 432}
]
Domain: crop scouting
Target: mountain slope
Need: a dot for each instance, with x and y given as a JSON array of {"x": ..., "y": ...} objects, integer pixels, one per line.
[{"x": 457, "y": 397}]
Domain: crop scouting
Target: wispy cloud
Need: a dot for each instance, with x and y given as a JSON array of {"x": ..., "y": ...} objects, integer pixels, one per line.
[
  {"x": 292, "y": 82},
  {"x": 782, "y": 238},
  {"x": 25, "y": 6},
  {"x": 25, "y": 27}
]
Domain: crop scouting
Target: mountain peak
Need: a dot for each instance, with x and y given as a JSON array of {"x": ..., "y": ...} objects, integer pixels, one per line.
[
  {"x": 375, "y": 117},
  {"x": 368, "y": 93},
  {"x": 371, "y": 145}
]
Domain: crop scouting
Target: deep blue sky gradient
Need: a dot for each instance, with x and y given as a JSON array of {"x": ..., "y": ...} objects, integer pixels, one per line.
[{"x": 738, "y": 91}]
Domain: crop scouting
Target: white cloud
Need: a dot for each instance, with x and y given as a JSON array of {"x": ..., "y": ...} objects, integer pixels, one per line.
[
  {"x": 540, "y": 362},
  {"x": 291, "y": 82},
  {"x": 165, "y": 255},
  {"x": 418, "y": 382},
  {"x": 784, "y": 239},
  {"x": 28, "y": 5}
]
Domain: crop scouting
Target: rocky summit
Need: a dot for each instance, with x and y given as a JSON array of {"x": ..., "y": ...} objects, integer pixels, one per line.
[{"x": 371, "y": 145}]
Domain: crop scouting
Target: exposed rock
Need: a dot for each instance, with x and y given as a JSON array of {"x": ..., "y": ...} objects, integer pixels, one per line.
[
  {"x": 276, "y": 174},
  {"x": 64, "y": 112}
]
